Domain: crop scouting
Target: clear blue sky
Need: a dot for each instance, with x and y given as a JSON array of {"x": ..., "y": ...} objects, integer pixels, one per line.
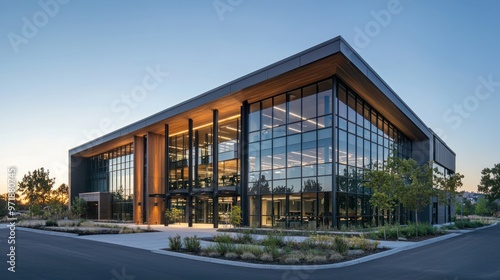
[{"x": 64, "y": 67}]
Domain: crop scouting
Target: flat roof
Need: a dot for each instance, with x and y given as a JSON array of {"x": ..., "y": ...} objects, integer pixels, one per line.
[{"x": 314, "y": 54}]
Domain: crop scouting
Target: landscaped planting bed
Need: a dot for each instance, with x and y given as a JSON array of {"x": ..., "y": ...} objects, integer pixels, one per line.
[{"x": 275, "y": 248}]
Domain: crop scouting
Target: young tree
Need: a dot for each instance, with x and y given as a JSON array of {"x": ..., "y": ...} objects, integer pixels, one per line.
[
  {"x": 173, "y": 215},
  {"x": 418, "y": 189},
  {"x": 79, "y": 206},
  {"x": 36, "y": 187},
  {"x": 235, "y": 216},
  {"x": 447, "y": 186},
  {"x": 385, "y": 184},
  {"x": 61, "y": 194},
  {"x": 482, "y": 208},
  {"x": 490, "y": 182},
  {"x": 3, "y": 205},
  {"x": 58, "y": 201}
]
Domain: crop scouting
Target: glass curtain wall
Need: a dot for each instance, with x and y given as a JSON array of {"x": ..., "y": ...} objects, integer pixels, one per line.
[
  {"x": 113, "y": 172},
  {"x": 178, "y": 153},
  {"x": 203, "y": 186},
  {"x": 364, "y": 140},
  {"x": 229, "y": 166},
  {"x": 290, "y": 158}
]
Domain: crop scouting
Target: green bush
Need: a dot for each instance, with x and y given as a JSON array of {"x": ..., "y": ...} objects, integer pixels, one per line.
[
  {"x": 467, "y": 223},
  {"x": 173, "y": 215},
  {"x": 245, "y": 238},
  {"x": 51, "y": 223},
  {"x": 275, "y": 239},
  {"x": 363, "y": 244},
  {"x": 223, "y": 238},
  {"x": 256, "y": 250},
  {"x": 223, "y": 248},
  {"x": 340, "y": 245},
  {"x": 322, "y": 241},
  {"x": 272, "y": 250},
  {"x": 175, "y": 243},
  {"x": 235, "y": 216},
  {"x": 192, "y": 244}
]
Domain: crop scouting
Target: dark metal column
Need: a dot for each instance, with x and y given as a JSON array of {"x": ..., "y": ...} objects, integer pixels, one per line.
[
  {"x": 190, "y": 175},
  {"x": 166, "y": 170},
  {"x": 243, "y": 157},
  {"x": 215, "y": 167},
  {"x": 334, "y": 153}
]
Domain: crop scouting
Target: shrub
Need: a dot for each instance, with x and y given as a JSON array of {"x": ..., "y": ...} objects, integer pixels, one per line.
[
  {"x": 173, "y": 215},
  {"x": 272, "y": 250},
  {"x": 266, "y": 257},
  {"x": 67, "y": 223},
  {"x": 322, "y": 241},
  {"x": 86, "y": 223},
  {"x": 292, "y": 259},
  {"x": 248, "y": 256},
  {"x": 315, "y": 259},
  {"x": 340, "y": 245},
  {"x": 230, "y": 255},
  {"x": 274, "y": 239},
  {"x": 362, "y": 243},
  {"x": 245, "y": 238},
  {"x": 467, "y": 223},
  {"x": 192, "y": 244},
  {"x": 256, "y": 250},
  {"x": 79, "y": 206},
  {"x": 235, "y": 216},
  {"x": 223, "y": 238},
  {"x": 124, "y": 230},
  {"x": 213, "y": 254},
  {"x": 223, "y": 248},
  {"x": 51, "y": 223},
  {"x": 175, "y": 243},
  {"x": 336, "y": 257},
  {"x": 355, "y": 252}
]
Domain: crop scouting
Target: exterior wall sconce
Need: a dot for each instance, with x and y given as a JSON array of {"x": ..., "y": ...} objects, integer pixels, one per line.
[
  {"x": 156, "y": 203},
  {"x": 139, "y": 203}
]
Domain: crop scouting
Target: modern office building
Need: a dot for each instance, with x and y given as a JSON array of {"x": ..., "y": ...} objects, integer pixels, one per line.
[{"x": 288, "y": 143}]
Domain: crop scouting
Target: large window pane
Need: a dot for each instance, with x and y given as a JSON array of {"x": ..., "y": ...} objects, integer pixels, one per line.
[
  {"x": 254, "y": 117},
  {"x": 294, "y": 106},
  {"x": 309, "y": 102},
  {"x": 279, "y": 110}
]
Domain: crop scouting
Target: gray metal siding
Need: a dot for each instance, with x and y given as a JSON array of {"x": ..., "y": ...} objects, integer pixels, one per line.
[{"x": 443, "y": 155}]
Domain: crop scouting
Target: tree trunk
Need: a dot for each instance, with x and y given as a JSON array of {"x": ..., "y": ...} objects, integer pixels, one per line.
[{"x": 416, "y": 223}]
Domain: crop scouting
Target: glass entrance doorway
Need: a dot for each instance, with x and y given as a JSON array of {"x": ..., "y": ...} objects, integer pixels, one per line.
[
  {"x": 225, "y": 206},
  {"x": 203, "y": 210},
  {"x": 180, "y": 203}
]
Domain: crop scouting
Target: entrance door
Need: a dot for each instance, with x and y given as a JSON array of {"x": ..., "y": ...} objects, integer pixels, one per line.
[
  {"x": 203, "y": 209},
  {"x": 225, "y": 206},
  {"x": 180, "y": 203}
]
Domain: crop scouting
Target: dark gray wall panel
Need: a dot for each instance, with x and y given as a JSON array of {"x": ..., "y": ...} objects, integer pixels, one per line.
[
  {"x": 422, "y": 151},
  {"x": 444, "y": 155}
]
